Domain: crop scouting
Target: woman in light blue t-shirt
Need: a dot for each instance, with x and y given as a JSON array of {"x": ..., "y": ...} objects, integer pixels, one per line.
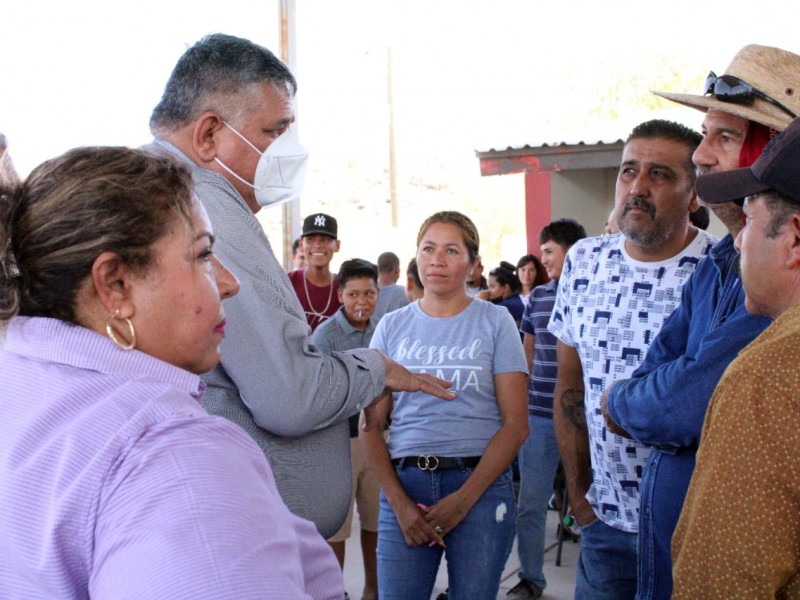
[{"x": 445, "y": 470}]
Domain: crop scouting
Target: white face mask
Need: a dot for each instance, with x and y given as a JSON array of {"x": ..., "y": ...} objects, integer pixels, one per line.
[{"x": 280, "y": 171}]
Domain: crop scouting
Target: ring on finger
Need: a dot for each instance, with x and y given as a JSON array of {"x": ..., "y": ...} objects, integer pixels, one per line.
[{"x": 438, "y": 529}]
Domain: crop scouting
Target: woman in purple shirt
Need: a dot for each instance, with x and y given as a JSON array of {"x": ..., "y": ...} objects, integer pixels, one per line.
[{"x": 115, "y": 481}]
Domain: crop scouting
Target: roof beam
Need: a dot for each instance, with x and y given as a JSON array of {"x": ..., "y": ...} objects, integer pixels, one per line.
[{"x": 550, "y": 158}]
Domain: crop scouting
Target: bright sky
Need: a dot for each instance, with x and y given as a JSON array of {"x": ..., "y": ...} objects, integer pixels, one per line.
[
  {"x": 468, "y": 75},
  {"x": 475, "y": 74}
]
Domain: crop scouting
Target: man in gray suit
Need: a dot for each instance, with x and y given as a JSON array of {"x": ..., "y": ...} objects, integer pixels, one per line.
[{"x": 227, "y": 112}]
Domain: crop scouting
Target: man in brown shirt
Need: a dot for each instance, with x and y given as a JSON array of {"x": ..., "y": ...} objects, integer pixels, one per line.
[{"x": 738, "y": 535}]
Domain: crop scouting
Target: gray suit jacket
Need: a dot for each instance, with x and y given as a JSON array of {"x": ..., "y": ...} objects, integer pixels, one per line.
[{"x": 291, "y": 398}]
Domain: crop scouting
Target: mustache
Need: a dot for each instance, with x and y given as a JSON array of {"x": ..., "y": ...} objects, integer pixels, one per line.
[
  {"x": 737, "y": 265},
  {"x": 640, "y": 203}
]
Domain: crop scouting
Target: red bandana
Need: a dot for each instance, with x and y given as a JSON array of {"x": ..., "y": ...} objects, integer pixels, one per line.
[{"x": 757, "y": 137}]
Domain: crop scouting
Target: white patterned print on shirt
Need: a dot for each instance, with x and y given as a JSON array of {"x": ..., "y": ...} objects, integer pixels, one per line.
[{"x": 610, "y": 307}]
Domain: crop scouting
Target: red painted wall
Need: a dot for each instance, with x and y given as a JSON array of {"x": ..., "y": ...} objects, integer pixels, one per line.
[{"x": 538, "y": 213}]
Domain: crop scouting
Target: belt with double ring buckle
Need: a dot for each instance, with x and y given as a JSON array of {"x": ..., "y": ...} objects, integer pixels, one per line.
[{"x": 429, "y": 462}]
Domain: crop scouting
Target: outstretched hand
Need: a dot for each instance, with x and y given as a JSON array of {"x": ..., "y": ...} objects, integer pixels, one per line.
[{"x": 400, "y": 379}]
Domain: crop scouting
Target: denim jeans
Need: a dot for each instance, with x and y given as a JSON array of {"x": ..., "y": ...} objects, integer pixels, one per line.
[
  {"x": 663, "y": 489},
  {"x": 477, "y": 549},
  {"x": 538, "y": 461},
  {"x": 606, "y": 564}
]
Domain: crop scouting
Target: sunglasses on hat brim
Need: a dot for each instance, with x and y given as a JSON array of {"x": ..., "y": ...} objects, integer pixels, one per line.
[{"x": 728, "y": 88}]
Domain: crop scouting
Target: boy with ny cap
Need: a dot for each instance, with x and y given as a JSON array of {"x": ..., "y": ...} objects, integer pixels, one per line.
[
  {"x": 316, "y": 287},
  {"x": 663, "y": 404}
]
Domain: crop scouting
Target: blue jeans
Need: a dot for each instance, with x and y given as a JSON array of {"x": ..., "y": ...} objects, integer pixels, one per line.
[
  {"x": 663, "y": 489},
  {"x": 477, "y": 549},
  {"x": 607, "y": 564},
  {"x": 538, "y": 461}
]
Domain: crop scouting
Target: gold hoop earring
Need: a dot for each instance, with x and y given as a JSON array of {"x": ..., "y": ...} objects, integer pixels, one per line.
[{"x": 113, "y": 334}]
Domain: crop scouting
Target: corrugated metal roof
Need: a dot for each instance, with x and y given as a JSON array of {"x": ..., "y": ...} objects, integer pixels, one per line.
[
  {"x": 594, "y": 136},
  {"x": 577, "y": 143},
  {"x": 575, "y": 140}
]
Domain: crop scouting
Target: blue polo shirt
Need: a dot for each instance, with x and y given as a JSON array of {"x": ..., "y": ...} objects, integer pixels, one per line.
[{"x": 337, "y": 335}]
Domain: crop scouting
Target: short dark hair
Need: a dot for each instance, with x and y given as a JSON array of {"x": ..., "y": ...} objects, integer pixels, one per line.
[
  {"x": 210, "y": 74},
  {"x": 701, "y": 217},
  {"x": 413, "y": 272},
  {"x": 564, "y": 232},
  {"x": 356, "y": 268},
  {"x": 506, "y": 274},
  {"x": 670, "y": 130},
  {"x": 295, "y": 246},
  {"x": 73, "y": 208},
  {"x": 388, "y": 262}
]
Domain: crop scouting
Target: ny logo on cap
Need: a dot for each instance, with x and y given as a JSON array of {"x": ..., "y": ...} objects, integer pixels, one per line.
[{"x": 319, "y": 221}]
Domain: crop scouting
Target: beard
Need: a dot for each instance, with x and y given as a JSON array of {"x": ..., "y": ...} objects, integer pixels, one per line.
[{"x": 646, "y": 237}]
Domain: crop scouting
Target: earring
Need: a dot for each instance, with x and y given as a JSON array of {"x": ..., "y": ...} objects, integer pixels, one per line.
[{"x": 113, "y": 334}]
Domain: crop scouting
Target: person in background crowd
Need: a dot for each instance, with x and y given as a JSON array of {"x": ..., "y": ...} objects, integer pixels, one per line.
[
  {"x": 8, "y": 174},
  {"x": 700, "y": 218},
  {"x": 116, "y": 482},
  {"x": 664, "y": 404},
  {"x": 476, "y": 282},
  {"x": 531, "y": 273},
  {"x": 601, "y": 340},
  {"x": 737, "y": 534},
  {"x": 538, "y": 458},
  {"x": 226, "y": 112},
  {"x": 316, "y": 287},
  {"x": 298, "y": 256},
  {"x": 392, "y": 296},
  {"x": 352, "y": 327},
  {"x": 414, "y": 287},
  {"x": 445, "y": 474},
  {"x": 504, "y": 288},
  {"x": 611, "y": 226}
]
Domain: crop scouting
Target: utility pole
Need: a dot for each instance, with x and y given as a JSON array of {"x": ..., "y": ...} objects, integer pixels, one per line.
[
  {"x": 392, "y": 153},
  {"x": 291, "y": 210}
]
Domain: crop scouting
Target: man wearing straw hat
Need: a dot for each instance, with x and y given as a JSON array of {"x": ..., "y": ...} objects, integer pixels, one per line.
[{"x": 664, "y": 403}]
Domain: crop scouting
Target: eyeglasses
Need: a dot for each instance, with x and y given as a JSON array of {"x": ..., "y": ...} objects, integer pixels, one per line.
[{"x": 728, "y": 88}]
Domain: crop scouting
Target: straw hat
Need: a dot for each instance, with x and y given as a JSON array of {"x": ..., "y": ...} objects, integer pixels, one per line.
[{"x": 773, "y": 71}]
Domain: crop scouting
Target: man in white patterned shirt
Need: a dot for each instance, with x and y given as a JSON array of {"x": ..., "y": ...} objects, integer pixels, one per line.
[{"x": 613, "y": 296}]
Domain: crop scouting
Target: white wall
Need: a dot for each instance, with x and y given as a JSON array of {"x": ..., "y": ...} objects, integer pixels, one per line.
[{"x": 584, "y": 195}]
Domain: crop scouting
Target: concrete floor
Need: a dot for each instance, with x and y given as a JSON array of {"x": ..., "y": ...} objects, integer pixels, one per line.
[{"x": 560, "y": 580}]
